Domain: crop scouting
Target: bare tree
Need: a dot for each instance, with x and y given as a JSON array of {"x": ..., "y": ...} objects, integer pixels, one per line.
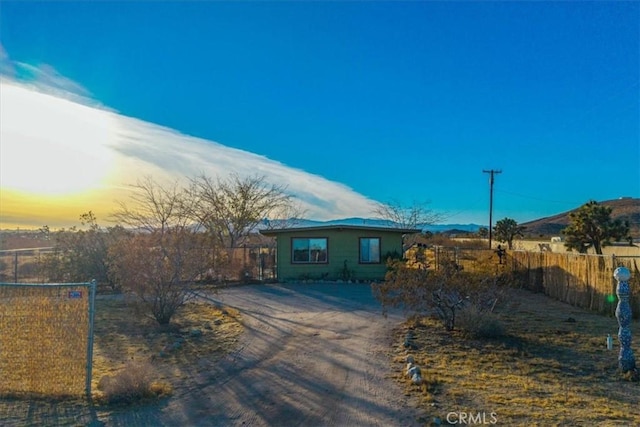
[
  {"x": 154, "y": 208},
  {"x": 231, "y": 208},
  {"x": 414, "y": 216},
  {"x": 161, "y": 261},
  {"x": 286, "y": 216}
]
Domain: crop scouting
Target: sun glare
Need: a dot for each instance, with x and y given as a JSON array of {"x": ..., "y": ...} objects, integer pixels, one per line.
[{"x": 51, "y": 146}]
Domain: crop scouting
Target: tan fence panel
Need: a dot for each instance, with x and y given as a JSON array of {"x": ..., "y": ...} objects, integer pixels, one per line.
[
  {"x": 45, "y": 334},
  {"x": 581, "y": 280}
]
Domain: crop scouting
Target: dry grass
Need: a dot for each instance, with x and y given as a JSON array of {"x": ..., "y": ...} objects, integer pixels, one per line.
[
  {"x": 199, "y": 334},
  {"x": 132, "y": 384},
  {"x": 547, "y": 370}
]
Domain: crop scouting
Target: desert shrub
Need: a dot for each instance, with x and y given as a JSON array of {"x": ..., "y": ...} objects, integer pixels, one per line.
[
  {"x": 442, "y": 292},
  {"x": 160, "y": 268},
  {"x": 479, "y": 323},
  {"x": 631, "y": 375},
  {"x": 6, "y": 271},
  {"x": 392, "y": 256},
  {"x": 345, "y": 273},
  {"x": 82, "y": 255},
  {"x": 132, "y": 384},
  {"x": 29, "y": 269},
  {"x": 245, "y": 274}
]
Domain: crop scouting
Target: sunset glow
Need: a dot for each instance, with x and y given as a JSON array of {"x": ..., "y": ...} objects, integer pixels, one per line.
[
  {"x": 52, "y": 146},
  {"x": 61, "y": 158}
]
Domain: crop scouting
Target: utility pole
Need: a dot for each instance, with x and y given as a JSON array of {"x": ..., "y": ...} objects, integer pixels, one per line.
[{"x": 491, "y": 173}]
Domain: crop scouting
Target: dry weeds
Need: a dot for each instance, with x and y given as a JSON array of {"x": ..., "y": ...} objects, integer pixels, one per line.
[
  {"x": 551, "y": 368},
  {"x": 199, "y": 334}
]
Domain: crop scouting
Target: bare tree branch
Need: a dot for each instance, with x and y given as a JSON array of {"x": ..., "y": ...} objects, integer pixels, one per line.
[
  {"x": 159, "y": 266},
  {"x": 415, "y": 216},
  {"x": 231, "y": 208}
]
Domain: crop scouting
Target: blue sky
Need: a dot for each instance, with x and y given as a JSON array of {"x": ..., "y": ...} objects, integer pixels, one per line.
[{"x": 403, "y": 101}]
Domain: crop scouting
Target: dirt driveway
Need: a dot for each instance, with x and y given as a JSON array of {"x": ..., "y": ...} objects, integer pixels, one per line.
[{"x": 311, "y": 355}]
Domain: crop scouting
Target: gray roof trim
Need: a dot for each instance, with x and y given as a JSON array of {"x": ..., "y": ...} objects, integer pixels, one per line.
[{"x": 339, "y": 227}]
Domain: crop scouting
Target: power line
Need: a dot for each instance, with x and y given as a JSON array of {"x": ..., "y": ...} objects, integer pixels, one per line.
[
  {"x": 448, "y": 216},
  {"x": 524, "y": 196},
  {"x": 491, "y": 172}
]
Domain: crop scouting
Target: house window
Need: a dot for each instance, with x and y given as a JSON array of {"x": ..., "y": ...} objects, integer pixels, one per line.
[
  {"x": 370, "y": 250},
  {"x": 309, "y": 250}
]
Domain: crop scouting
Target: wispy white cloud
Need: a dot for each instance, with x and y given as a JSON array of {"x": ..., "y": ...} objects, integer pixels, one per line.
[
  {"x": 45, "y": 79},
  {"x": 179, "y": 155},
  {"x": 51, "y": 128}
]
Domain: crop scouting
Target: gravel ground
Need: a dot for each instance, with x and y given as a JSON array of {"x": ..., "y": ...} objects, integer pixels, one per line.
[{"x": 311, "y": 355}]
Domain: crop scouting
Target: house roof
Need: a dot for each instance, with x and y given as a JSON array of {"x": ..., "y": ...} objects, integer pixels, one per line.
[{"x": 339, "y": 227}]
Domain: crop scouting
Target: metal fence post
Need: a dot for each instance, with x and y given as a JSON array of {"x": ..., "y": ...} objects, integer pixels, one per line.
[
  {"x": 92, "y": 311},
  {"x": 626, "y": 361},
  {"x": 15, "y": 268}
]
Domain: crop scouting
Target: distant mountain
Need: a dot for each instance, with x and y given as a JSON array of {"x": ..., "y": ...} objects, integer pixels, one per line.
[
  {"x": 434, "y": 228},
  {"x": 625, "y": 209},
  {"x": 453, "y": 228}
]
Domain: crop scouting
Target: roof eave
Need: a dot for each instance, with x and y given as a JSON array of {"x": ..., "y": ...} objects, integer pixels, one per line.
[{"x": 277, "y": 231}]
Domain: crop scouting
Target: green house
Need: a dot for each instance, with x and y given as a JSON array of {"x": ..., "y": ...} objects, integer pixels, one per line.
[{"x": 336, "y": 252}]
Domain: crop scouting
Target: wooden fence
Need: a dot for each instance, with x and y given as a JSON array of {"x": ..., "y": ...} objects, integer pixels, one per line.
[{"x": 581, "y": 280}]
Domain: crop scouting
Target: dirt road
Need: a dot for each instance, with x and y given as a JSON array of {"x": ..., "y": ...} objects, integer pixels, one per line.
[{"x": 312, "y": 355}]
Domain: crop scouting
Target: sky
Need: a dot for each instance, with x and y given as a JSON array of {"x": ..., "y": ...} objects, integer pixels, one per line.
[{"x": 347, "y": 103}]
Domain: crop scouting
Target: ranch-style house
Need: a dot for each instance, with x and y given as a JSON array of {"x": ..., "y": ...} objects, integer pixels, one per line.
[{"x": 336, "y": 252}]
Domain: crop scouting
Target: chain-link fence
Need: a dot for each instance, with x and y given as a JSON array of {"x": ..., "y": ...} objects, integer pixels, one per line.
[
  {"x": 46, "y": 339},
  {"x": 247, "y": 262},
  {"x": 23, "y": 265},
  {"x": 434, "y": 257}
]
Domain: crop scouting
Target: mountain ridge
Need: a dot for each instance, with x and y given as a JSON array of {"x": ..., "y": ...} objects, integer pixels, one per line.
[
  {"x": 624, "y": 209},
  {"x": 375, "y": 222}
]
